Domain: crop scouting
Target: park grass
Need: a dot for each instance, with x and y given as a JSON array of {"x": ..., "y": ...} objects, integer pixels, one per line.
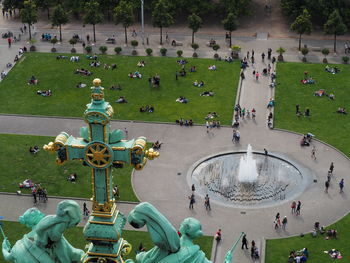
[
  {"x": 67, "y": 100},
  {"x": 327, "y": 125},
  {"x": 17, "y": 164},
  {"x": 14, "y": 231},
  {"x": 277, "y": 250}
]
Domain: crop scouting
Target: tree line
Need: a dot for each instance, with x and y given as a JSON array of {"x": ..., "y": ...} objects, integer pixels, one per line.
[
  {"x": 333, "y": 15},
  {"x": 164, "y": 13}
]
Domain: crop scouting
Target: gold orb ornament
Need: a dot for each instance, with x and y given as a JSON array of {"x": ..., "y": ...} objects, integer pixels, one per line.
[{"x": 96, "y": 82}]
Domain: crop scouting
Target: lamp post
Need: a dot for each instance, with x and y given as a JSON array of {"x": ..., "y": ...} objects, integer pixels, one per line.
[{"x": 142, "y": 24}]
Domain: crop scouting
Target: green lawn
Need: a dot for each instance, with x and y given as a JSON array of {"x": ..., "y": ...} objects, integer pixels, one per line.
[
  {"x": 15, "y": 231},
  {"x": 277, "y": 250},
  {"x": 327, "y": 125},
  {"x": 41, "y": 168},
  {"x": 67, "y": 100}
]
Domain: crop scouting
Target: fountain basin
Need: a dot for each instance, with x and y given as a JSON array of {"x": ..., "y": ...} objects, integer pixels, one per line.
[{"x": 279, "y": 179}]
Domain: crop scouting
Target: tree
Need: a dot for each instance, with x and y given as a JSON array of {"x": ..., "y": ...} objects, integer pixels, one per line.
[
  {"x": 59, "y": 18},
  {"x": 302, "y": 25},
  {"x": 44, "y": 4},
  {"x": 93, "y": 15},
  {"x": 123, "y": 14},
  {"x": 194, "y": 23},
  {"x": 161, "y": 17},
  {"x": 335, "y": 26},
  {"x": 230, "y": 24},
  {"x": 29, "y": 15}
]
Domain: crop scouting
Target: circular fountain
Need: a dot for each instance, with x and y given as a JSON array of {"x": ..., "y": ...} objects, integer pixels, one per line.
[{"x": 249, "y": 179}]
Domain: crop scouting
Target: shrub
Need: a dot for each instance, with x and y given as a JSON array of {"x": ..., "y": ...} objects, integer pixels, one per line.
[
  {"x": 280, "y": 51},
  {"x": 304, "y": 51},
  {"x": 216, "y": 47},
  {"x": 149, "y": 51},
  {"x": 73, "y": 41},
  {"x": 53, "y": 50},
  {"x": 345, "y": 59},
  {"x": 88, "y": 49},
  {"x": 53, "y": 41},
  {"x": 236, "y": 48},
  {"x": 195, "y": 46},
  {"x": 325, "y": 51},
  {"x": 163, "y": 51},
  {"x": 134, "y": 43},
  {"x": 73, "y": 50},
  {"x": 179, "y": 53},
  {"x": 118, "y": 50},
  {"x": 103, "y": 49}
]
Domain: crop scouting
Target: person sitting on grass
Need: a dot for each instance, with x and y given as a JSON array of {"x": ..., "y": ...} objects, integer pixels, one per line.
[
  {"x": 33, "y": 80},
  {"x": 114, "y": 66},
  {"x": 271, "y": 103},
  {"x": 61, "y": 57},
  {"x": 304, "y": 141},
  {"x": 195, "y": 83},
  {"x": 118, "y": 87},
  {"x": 44, "y": 93},
  {"x": 183, "y": 73},
  {"x": 80, "y": 85},
  {"x": 83, "y": 72},
  {"x": 331, "y": 96},
  {"x": 228, "y": 59},
  {"x": 72, "y": 178},
  {"x": 212, "y": 67},
  {"x": 74, "y": 59},
  {"x": 207, "y": 93},
  {"x": 94, "y": 64},
  {"x": 182, "y": 99},
  {"x": 141, "y": 64},
  {"x": 308, "y": 81},
  {"x": 320, "y": 93},
  {"x": 121, "y": 100},
  {"x": 201, "y": 84},
  {"x": 331, "y": 70},
  {"x": 341, "y": 110},
  {"x": 34, "y": 150},
  {"x": 193, "y": 69}
]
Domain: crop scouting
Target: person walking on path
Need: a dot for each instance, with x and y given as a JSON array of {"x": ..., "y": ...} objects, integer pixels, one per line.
[
  {"x": 192, "y": 201},
  {"x": 278, "y": 219},
  {"x": 257, "y": 74},
  {"x": 331, "y": 168},
  {"x": 253, "y": 113},
  {"x": 263, "y": 57},
  {"x": 9, "y": 41},
  {"x": 341, "y": 185},
  {"x": 207, "y": 203},
  {"x": 297, "y": 212},
  {"x": 207, "y": 125},
  {"x": 313, "y": 152},
  {"x": 284, "y": 223},
  {"x": 326, "y": 184},
  {"x": 34, "y": 196},
  {"x": 193, "y": 188},
  {"x": 218, "y": 236},
  {"x": 244, "y": 242},
  {"x": 242, "y": 75},
  {"x": 294, "y": 207}
]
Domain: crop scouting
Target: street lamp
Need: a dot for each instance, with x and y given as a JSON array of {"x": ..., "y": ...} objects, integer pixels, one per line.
[{"x": 142, "y": 24}]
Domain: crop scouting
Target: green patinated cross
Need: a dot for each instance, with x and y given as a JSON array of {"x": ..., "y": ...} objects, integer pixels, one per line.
[{"x": 101, "y": 149}]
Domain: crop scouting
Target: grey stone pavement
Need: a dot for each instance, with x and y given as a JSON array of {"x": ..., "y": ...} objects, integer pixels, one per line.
[{"x": 163, "y": 182}]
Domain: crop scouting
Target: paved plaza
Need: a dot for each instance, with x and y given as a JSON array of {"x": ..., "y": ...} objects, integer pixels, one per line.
[{"x": 163, "y": 182}]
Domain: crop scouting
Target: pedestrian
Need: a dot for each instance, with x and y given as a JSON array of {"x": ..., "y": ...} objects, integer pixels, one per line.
[
  {"x": 207, "y": 203},
  {"x": 3, "y": 12},
  {"x": 326, "y": 185},
  {"x": 193, "y": 188},
  {"x": 269, "y": 52},
  {"x": 88, "y": 38},
  {"x": 192, "y": 201},
  {"x": 247, "y": 54},
  {"x": 313, "y": 152},
  {"x": 263, "y": 57},
  {"x": 21, "y": 30},
  {"x": 252, "y": 59},
  {"x": 207, "y": 125},
  {"x": 126, "y": 132},
  {"x": 297, "y": 109},
  {"x": 293, "y": 206},
  {"x": 167, "y": 37},
  {"x": 297, "y": 212},
  {"x": 253, "y": 52},
  {"x": 254, "y": 73},
  {"x": 341, "y": 185},
  {"x": 218, "y": 236},
  {"x": 257, "y": 74},
  {"x": 284, "y": 223},
  {"x": 331, "y": 168},
  {"x": 278, "y": 219},
  {"x": 265, "y": 151},
  {"x": 346, "y": 47},
  {"x": 244, "y": 242},
  {"x": 273, "y": 60},
  {"x": 243, "y": 113},
  {"x": 34, "y": 196},
  {"x": 9, "y": 41},
  {"x": 84, "y": 208},
  {"x": 253, "y": 113},
  {"x": 176, "y": 75},
  {"x": 242, "y": 75}
]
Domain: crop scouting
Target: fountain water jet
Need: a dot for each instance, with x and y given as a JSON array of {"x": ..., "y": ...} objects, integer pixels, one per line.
[{"x": 247, "y": 172}]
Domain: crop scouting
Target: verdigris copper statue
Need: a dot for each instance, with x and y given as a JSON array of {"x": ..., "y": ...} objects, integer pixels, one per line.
[
  {"x": 46, "y": 243},
  {"x": 169, "y": 247}
]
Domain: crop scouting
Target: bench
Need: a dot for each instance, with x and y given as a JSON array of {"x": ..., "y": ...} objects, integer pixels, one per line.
[{"x": 176, "y": 43}]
